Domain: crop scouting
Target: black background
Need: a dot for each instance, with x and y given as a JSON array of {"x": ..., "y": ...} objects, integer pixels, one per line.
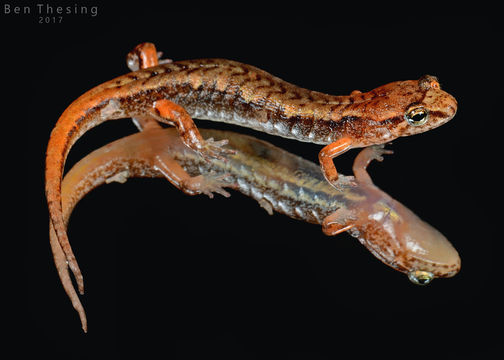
[{"x": 190, "y": 277}]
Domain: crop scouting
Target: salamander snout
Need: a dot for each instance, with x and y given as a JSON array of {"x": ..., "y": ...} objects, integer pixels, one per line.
[{"x": 428, "y": 253}]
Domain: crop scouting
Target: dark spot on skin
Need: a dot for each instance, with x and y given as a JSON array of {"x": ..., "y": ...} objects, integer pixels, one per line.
[
  {"x": 294, "y": 95},
  {"x": 331, "y": 110},
  {"x": 439, "y": 114},
  {"x": 362, "y": 96},
  {"x": 73, "y": 130}
]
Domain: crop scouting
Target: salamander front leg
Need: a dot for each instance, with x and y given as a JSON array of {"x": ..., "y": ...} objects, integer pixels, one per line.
[
  {"x": 171, "y": 113},
  {"x": 339, "y": 221},
  {"x": 202, "y": 184},
  {"x": 326, "y": 156},
  {"x": 363, "y": 159}
]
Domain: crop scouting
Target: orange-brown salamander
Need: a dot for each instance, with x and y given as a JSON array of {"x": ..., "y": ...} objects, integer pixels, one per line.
[
  {"x": 279, "y": 181},
  {"x": 232, "y": 92}
]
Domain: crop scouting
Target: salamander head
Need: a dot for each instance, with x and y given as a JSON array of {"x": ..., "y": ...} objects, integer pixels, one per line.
[
  {"x": 400, "y": 239},
  {"x": 434, "y": 108},
  {"x": 410, "y": 107}
]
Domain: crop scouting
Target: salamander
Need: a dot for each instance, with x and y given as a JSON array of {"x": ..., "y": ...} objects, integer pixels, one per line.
[
  {"x": 279, "y": 181},
  {"x": 241, "y": 94}
]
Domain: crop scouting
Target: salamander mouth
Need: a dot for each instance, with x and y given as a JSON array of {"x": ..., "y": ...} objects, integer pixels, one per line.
[
  {"x": 423, "y": 277},
  {"x": 437, "y": 269}
]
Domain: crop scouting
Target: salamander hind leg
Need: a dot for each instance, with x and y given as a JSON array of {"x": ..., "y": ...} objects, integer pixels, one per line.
[
  {"x": 171, "y": 113},
  {"x": 202, "y": 184},
  {"x": 208, "y": 184},
  {"x": 143, "y": 56}
]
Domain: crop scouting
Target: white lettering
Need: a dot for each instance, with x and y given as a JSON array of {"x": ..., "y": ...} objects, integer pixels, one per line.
[
  {"x": 16, "y": 9},
  {"x": 45, "y": 9}
]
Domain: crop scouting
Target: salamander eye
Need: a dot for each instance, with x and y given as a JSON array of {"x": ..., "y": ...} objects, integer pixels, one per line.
[
  {"x": 417, "y": 116},
  {"x": 420, "y": 277}
]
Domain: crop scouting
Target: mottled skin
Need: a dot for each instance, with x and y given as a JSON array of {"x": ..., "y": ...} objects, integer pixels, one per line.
[
  {"x": 228, "y": 91},
  {"x": 279, "y": 181}
]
